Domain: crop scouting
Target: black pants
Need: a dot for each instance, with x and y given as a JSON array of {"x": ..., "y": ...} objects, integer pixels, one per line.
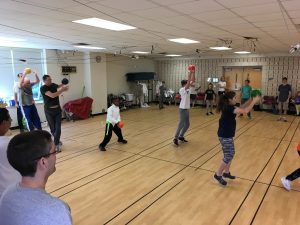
[
  {"x": 20, "y": 119},
  {"x": 294, "y": 175},
  {"x": 53, "y": 116},
  {"x": 161, "y": 101},
  {"x": 108, "y": 133}
]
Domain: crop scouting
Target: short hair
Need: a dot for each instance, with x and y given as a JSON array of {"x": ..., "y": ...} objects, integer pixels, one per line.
[
  {"x": 183, "y": 82},
  {"x": 19, "y": 74},
  {"x": 4, "y": 115},
  {"x": 114, "y": 98},
  {"x": 24, "y": 151},
  {"x": 284, "y": 78},
  {"x": 45, "y": 77},
  {"x": 248, "y": 81}
]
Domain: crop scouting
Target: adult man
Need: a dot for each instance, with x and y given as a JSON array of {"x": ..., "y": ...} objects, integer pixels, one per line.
[
  {"x": 8, "y": 175},
  {"x": 27, "y": 102},
  {"x": 52, "y": 107},
  {"x": 184, "y": 120},
  {"x": 27, "y": 203},
  {"x": 17, "y": 100},
  {"x": 285, "y": 92},
  {"x": 161, "y": 97}
]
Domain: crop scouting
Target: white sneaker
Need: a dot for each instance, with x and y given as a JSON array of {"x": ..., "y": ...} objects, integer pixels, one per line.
[{"x": 286, "y": 183}]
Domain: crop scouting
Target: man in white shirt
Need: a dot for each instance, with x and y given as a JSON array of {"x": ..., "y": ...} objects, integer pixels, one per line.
[
  {"x": 8, "y": 175},
  {"x": 222, "y": 86},
  {"x": 17, "y": 101},
  {"x": 184, "y": 121},
  {"x": 112, "y": 124}
]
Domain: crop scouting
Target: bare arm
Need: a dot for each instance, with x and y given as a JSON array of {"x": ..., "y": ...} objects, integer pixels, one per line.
[
  {"x": 37, "y": 79},
  {"x": 21, "y": 81},
  {"x": 248, "y": 108},
  {"x": 56, "y": 94},
  {"x": 191, "y": 78}
]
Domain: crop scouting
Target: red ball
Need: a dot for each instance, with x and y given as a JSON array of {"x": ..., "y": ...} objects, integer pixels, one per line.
[
  {"x": 120, "y": 124},
  {"x": 192, "y": 68}
]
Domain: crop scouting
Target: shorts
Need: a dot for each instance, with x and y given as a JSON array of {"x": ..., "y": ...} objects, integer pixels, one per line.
[
  {"x": 283, "y": 105},
  {"x": 221, "y": 92},
  {"x": 193, "y": 96}
]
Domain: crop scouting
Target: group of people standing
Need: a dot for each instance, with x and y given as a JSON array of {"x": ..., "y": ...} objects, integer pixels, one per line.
[{"x": 27, "y": 113}]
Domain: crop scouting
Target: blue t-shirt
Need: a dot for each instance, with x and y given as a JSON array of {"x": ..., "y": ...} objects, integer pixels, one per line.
[
  {"x": 32, "y": 206},
  {"x": 227, "y": 123}
]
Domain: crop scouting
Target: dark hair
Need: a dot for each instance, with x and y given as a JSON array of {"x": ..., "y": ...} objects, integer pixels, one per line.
[
  {"x": 4, "y": 115},
  {"x": 183, "y": 82},
  {"x": 45, "y": 77},
  {"x": 248, "y": 81},
  {"x": 19, "y": 74},
  {"x": 24, "y": 151},
  {"x": 114, "y": 98},
  {"x": 284, "y": 78},
  {"x": 224, "y": 100}
]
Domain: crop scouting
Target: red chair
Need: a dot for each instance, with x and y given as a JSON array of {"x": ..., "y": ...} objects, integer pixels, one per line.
[
  {"x": 177, "y": 98},
  {"x": 269, "y": 101},
  {"x": 200, "y": 97}
]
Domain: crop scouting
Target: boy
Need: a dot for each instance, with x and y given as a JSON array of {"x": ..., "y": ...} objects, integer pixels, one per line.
[
  {"x": 112, "y": 120},
  {"x": 285, "y": 92},
  {"x": 245, "y": 95},
  {"x": 184, "y": 121}
]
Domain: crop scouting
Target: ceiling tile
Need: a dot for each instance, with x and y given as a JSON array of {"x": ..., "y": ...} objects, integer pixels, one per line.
[
  {"x": 291, "y": 5},
  {"x": 240, "y": 3},
  {"x": 257, "y": 9},
  {"x": 128, "y": 5},
  {"x": 197, "y": 7}
]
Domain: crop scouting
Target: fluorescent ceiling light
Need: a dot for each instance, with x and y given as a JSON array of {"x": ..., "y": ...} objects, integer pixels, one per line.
[
  {"x": 242, "y": 52},
  {"x": 96, "y": 22},
  {"x": 87, "y": 47},
  {"x": 11, "y": 39},
  {"x": 183, "y": 41},
  {"x": 173, "y": 55},
  {"x": 140, "y": 52},
  {"x": 220, "y": 48}
]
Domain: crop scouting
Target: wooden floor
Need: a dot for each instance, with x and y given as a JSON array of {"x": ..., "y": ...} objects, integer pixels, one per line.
[{"x": 150, "y": 181}]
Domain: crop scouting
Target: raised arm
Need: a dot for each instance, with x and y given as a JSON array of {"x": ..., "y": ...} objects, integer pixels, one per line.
[
  {"x": 37, "y": 79},
  {"x": 252, "y": 102}
]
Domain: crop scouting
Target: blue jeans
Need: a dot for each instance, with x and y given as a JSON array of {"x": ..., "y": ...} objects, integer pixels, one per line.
[{"x": 32, "y": 117}]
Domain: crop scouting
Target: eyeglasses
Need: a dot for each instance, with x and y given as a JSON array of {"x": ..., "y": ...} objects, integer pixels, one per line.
[{"x": 46, "y": 155}]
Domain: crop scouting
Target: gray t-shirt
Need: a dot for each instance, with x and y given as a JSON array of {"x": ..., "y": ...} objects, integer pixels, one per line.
[
  {"x": 26, "y": 95},
  {"x": 284, "y": 92},
  {"x": 32, "y": 206}
]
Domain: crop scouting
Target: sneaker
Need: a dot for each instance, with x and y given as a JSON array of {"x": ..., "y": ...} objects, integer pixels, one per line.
[
  {"x": 211, "y": 113},
  {"x": 102, "y": 148},
  {"x": 228, "y": 175},
  {"x": 123, "y": 141},
  {"x": 175, "y": 141},
  {"x": 284, "y": 120},
  {"x": 58, "y": 148},
  {"x": 207, "y": 114},
  {"x": 220, "y": 180},
  {"x": 286, "y": 183},
  {"x": 249, "y": 117},
  {"x": 182, "y": 139},
  {"x": 60, "y": 143},
  {"x": 279, "y": 119}
]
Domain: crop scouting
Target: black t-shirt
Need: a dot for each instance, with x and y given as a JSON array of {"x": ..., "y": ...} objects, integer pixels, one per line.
[
  {"x": 48, "y": 102},
  {"x": 210, "y": 94},
  {"x": 227, "y": 123}
]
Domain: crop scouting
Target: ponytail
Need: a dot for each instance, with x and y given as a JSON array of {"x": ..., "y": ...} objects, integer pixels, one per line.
[{"x": 224, "y": 100}]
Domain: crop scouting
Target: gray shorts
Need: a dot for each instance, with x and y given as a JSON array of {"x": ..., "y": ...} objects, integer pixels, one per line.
[
  {"x": 283, "y": 105},
  {"x": 228, "y": 149}
]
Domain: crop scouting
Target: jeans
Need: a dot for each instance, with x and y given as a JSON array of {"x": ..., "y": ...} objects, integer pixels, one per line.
[{"x": 53, "y": 116}]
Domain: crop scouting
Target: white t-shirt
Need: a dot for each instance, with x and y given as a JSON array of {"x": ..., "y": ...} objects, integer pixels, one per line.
[
  {"x": 222, "y": 85},
  {"x": 185, "y": 98},
  {"x": 8, "y": 175},
  {"x": 113, "y": 114}
]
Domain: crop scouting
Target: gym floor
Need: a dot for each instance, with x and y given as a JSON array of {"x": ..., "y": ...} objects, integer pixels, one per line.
[{"x": 150, "y": 181}]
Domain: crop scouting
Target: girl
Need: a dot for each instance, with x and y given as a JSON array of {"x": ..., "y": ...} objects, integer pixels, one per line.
[
  {"x": 226, "y": 131},
  {"x": 297, "y": 103},
  {"x": 209, "y": 98}
]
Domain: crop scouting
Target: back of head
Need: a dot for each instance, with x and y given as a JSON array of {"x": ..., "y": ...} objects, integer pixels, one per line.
[
  {"x": 26, "y": 149},
  {"x": 224, "y": 100},
  {"x": 183, "y": 83},
  {"x": 4, "y": 115}
]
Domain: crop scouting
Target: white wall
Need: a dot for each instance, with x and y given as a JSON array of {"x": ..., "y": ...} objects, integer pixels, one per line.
[
  {"x": 118, "y": 66},
  {"x": 273, "y": 69}
]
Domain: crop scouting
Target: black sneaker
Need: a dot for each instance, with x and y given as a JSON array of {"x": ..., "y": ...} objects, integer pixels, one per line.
[
  {"x": 102, "y": 148},
  {"x": 182, "y": 139},
  {"x": 220, "y": 180},
  {"x": 175, "y": 141},
  {"x": 122, "y": 141},
  {"x": 211, "y": 113},
  {"x": 207, "y": 114},
  {"x": 228, "y": 175}
]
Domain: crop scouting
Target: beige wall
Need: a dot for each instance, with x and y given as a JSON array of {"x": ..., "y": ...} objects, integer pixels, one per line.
[{"x": 273, "y": 69}]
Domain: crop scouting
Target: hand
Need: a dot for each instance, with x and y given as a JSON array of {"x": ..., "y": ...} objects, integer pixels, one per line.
[
  {"x": 64, "y": 88},
  {"x": 17, "y": 105}
]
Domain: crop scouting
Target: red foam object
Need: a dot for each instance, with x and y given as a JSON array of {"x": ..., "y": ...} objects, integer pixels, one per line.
[
  {"x": 298, "y": 147},
  {"x": 120, "y": 124},
  {"x": 192, "y": 68}
]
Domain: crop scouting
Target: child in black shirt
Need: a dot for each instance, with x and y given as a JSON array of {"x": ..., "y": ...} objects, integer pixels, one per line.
[
  {"x": 226, "y": 131},
  {"x": 209, "y": 98}
]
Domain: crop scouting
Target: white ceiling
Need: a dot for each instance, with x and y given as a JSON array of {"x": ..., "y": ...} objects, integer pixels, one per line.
[{"x": 47, "y": 24}]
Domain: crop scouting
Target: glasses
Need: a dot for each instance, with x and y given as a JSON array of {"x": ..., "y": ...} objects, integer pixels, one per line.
[{"x": 46, "y": 155}]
